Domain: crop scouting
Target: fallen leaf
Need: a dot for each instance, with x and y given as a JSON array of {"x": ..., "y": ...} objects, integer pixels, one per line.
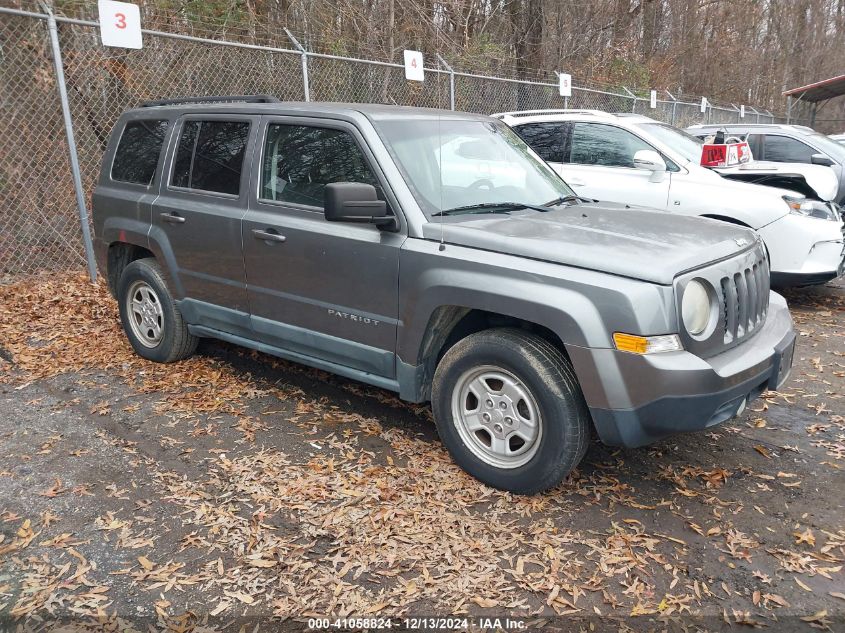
[
  {"x": 763, "y": 451},
  {"x": 802, "y": 585},
  {"x": 805, "y": 537}
]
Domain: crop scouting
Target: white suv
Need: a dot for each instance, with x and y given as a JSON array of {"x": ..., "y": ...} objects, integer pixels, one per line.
[{"x": 633, "y": 159}]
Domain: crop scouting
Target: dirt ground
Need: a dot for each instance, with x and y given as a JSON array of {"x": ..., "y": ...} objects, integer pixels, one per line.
[{"x": 234, "y": 491}]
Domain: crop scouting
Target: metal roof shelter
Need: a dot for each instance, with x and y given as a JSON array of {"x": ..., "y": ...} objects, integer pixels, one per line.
[{"x": 817, "y": 94}]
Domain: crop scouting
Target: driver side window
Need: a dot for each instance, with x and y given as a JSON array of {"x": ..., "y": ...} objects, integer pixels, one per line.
[
  {"x": 604, "y": 145},
  {"x": 299, "y": 161}
]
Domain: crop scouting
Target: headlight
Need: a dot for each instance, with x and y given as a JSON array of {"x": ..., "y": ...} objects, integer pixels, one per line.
[
  {"x": 810, "y": 208},
  {"x": 696, "y": 308}
]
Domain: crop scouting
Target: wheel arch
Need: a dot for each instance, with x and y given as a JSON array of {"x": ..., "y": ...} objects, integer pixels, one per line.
[
  {"x": 118, "y": 257},
  {"x": 729, "y": 220},
  {"x": 725, "y": 218},
  {"x": 449, "y": 324}
]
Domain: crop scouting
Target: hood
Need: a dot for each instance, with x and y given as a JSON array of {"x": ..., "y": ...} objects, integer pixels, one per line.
[
  {"x": 643, "y": 244},
  {"x": 812, "y": 181}
]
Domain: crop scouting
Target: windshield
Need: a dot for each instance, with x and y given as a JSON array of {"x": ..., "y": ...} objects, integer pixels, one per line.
[
  {"x": 677, "y": 140},
  {"x": 477, "y": 162}
]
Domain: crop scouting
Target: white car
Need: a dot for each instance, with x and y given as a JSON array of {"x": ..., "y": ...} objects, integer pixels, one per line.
[
  {"x": 633, "y": 159},
  {"x": 839, "y": 138},
  {"x": 813, "y": 181}
]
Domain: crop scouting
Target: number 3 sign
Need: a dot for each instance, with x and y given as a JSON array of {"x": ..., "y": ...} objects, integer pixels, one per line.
[{"x": 120, "y": 24}]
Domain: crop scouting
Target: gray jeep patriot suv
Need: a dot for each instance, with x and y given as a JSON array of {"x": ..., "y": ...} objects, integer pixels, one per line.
[{"x": 434, "y": 254}]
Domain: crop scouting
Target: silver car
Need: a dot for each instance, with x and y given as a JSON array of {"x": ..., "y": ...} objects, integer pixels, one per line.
[{"x": 786, "y": 144}]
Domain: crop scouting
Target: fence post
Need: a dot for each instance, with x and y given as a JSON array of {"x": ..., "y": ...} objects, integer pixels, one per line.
[
  {"x": 633, "y": 99},
  {"x": 451, "y": 81},
  {"x": 674, "y": 105},
  {"x": 71, "y": 143},
  {"x": 734, "y": 106},
  {"x": 306, "y": 88}
]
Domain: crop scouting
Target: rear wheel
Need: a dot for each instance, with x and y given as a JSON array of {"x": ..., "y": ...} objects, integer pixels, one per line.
[
  {"x": 151, "y": 319},
  {"x": 510, "y": 411}
]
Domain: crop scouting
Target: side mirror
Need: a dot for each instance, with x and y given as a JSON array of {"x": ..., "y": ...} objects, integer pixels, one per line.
[
  {"x": 649, "y": 160},
  {"x": 821, "y": 159},
  {"x": 355, "y": 202}
]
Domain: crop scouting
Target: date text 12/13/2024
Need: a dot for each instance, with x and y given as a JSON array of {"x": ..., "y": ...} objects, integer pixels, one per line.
[{"x": 418, "y": 623}]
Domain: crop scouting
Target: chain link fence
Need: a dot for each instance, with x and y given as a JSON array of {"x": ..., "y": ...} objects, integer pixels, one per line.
[{"x": 39, "y": 215}]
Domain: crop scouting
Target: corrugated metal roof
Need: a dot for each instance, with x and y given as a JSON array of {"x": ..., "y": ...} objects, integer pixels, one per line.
[{"x": 819, "y": 91}]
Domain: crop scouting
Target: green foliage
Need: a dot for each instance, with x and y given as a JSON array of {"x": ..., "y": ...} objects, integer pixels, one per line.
[
  {"x": 632, "y": 74},
  {"x": 483, "y": 54},
  {"x": 211, "y": 12}
]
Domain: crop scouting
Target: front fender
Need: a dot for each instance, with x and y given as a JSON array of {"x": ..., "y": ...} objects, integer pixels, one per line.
[
  {"x": 581, "y": 307},
  {"x": 752, "y": 205}
]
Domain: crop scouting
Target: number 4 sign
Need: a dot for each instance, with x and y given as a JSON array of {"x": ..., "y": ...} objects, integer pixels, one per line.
[
  {"x": 120, "y": 24},
  {"x": 414, "y": 70}
]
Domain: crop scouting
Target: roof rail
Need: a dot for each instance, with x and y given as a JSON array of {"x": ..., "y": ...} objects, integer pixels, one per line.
[
  {"x": 521, "y": 113},
  {"x": 216, "y": 99}
]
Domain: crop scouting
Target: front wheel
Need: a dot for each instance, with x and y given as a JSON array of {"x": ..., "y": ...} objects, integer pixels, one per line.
[{"x": 510, "y": 411}]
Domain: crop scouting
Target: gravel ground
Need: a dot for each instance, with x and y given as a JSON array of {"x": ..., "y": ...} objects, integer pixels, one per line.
[{"x": 234, "y": 491}]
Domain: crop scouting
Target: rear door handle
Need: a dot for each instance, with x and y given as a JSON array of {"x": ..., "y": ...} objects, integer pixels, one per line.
[
  {"x": 172, "y": 218},
  {"x": 268, "y": 236}
]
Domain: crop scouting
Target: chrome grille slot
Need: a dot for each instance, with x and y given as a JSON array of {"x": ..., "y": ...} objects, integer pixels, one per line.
[
  {"x": 751, "y": 282},
  {"x": 742, "y": 305}
]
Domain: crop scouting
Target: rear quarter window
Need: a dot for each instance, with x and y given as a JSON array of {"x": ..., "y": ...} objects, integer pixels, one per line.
[{"x": 137, "y": 154}]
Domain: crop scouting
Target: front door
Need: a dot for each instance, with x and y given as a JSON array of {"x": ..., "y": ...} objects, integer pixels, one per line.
[
  {"x": 197, "y": 217},
  {"x": 321, "y": 290},
  {"x": 600, "y": 164}
]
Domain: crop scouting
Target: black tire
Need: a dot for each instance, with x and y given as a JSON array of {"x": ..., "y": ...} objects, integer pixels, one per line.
[
  {"x": 176, "y": 342},
  {"x": 550, "y": 378}
]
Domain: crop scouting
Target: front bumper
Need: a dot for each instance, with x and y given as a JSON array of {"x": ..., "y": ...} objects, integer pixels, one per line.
[
  {"x": 638, "y": 399},
  {"x": 804, "y": 251}
]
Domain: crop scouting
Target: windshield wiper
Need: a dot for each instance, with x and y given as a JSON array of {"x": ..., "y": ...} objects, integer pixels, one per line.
[
  {"x": 572, "y": 198},
  {"x": 491, "y": 207}
]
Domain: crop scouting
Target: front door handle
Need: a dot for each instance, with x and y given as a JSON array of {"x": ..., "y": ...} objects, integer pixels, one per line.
[
  {"x": 268, "y": 236},
  {"x": 172, "y": 218}
]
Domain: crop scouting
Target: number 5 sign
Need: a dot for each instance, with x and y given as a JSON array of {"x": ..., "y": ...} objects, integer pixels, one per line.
[
  {"x": 120, "y": 24},
  {"x": 565, "y": 84}
]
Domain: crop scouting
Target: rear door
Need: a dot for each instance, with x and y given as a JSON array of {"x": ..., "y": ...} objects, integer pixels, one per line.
[
  {"x": 198, "y": 218},
  {"x": 322, "y": 290}
]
